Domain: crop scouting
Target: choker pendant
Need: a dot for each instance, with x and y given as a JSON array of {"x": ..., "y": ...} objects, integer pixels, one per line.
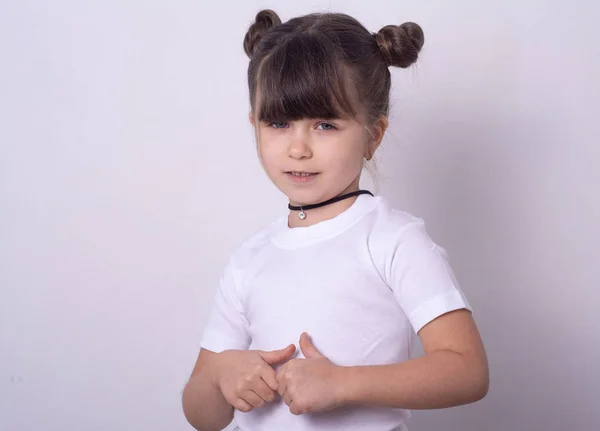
[{"x": 301, "y": 214}]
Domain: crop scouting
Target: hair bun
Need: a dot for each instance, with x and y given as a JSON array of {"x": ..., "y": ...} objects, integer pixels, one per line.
[
  {"x": 400, "y": 44},
  {"x": 265, "y": 19}
]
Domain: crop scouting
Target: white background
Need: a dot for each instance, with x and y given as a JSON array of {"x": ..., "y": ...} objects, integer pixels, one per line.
[{"x": 128, "y": 173}]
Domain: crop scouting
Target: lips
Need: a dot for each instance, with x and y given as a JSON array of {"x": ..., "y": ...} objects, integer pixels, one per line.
[{"x": 301, "y": 176}]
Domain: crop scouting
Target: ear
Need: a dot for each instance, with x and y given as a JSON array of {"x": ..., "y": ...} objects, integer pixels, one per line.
[
  {"x": 251, "y": 118},
  {"x": 376, "y": 133}
]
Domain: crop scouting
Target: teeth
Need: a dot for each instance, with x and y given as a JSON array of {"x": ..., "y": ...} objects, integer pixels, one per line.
[{"x": 301, "y": 174}]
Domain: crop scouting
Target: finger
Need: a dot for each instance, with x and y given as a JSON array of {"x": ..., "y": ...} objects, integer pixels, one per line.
[
  {"x": 275, "y": 356},
  {"x": 269, "y": 376},
  {"x": 282, "y": 387},
  {"x": 241, "y": 405},
  {"x": 265, "y": 392},
  {"x": 294, "y": 409},
  {"x": 287, "y": 398},
  {"x": 253, "y": 398},
  {"x": 280, "y": 373},
  {"x": 307, "y": 347}
]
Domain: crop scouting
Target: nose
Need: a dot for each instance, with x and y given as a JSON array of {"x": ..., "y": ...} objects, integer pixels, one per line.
[{"x": 299, "y": 147}]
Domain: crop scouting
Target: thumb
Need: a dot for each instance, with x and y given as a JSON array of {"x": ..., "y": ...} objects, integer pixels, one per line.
[
  {"x": 275, "y": 356},
  {"x": 307, "y": 347}
]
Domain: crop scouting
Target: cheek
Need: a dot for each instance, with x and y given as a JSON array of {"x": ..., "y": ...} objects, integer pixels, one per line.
[
  {"x": 348, "y": 160},
  {"x": 269, "y": 156}
]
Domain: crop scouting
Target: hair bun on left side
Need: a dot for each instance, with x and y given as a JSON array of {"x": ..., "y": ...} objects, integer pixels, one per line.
[{"x": 265, "y": 19}]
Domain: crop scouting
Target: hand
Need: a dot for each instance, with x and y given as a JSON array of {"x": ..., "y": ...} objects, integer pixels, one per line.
[
  {"x": 246, "y": 377},
  {"x": 309, "y": 385}
]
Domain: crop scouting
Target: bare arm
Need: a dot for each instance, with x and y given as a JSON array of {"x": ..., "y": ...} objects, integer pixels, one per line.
[
  {"x": 453, "y": 371},
  {"x": 220, "y": 382},
  {"x": 204, "y": 406}
]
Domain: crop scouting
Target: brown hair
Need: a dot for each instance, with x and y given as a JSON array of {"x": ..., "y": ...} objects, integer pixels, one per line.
[{"x": 322, "y": 64}]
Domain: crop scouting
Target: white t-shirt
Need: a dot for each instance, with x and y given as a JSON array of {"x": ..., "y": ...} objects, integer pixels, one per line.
[{"x": 361, "y": 284}]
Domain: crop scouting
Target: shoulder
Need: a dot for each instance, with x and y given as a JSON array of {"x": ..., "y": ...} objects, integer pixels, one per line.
[
  {"x": 392, "y": 227},
  {"x": 399, "y": 241}
]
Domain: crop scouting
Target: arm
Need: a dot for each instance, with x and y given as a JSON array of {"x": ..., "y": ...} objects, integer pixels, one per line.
[
  {"x": 204, "y": 406},
  {"x": 220, "y": 382},
  {"x": 452, "y": 372}
]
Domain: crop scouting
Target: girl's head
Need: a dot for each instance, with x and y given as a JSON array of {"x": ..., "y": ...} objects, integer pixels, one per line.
[{"x": 319, "y": 95}]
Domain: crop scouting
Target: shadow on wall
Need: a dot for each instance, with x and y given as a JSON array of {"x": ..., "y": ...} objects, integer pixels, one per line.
[{"x": 487, "y": 185}]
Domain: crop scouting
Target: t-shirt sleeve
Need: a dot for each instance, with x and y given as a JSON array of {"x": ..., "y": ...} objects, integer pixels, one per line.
[
  {"x": 227, "y": 327},
  {"x": 421, "y": 277}
]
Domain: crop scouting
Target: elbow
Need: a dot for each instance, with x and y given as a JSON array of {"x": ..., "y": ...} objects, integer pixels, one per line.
[
  {"x": 479, "y": 373},
  {"x": 475, "y": 380},
  {"x": 201, "y": 417},
  {"x": 481, "y": 391},
  {"x": 481, "y": 384},
  {"x": 188, "y": 409}
]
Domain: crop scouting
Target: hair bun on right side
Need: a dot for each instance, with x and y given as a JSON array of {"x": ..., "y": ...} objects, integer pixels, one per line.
[{"x": 400, "y": 44}]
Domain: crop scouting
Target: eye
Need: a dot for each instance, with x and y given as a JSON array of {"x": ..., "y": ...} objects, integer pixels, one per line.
[
  {"x": 327, "y": 126},
  {"x": 277, "y": 124}
]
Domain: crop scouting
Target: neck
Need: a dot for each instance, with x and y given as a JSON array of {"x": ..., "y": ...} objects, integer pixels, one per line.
[{"x": 327, "y": 212}]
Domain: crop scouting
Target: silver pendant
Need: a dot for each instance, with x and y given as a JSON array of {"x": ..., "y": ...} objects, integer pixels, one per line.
[{"x": 301, "y": 215}]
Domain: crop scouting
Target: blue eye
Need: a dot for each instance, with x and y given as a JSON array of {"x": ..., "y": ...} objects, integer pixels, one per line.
[
  {"x": 283, "y": 125},
  {"x": 278, "y": 124},
  {"x": 328, "y": 126}
]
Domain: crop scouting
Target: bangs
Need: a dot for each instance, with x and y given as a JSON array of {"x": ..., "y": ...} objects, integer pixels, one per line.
[{"x": 302, "y": 79}]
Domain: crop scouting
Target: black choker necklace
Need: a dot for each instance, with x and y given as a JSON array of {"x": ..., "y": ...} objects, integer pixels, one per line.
[{"x": 302, "y": 208}]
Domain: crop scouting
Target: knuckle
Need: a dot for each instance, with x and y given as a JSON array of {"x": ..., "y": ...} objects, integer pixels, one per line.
[{"x": 240, "y": 386}]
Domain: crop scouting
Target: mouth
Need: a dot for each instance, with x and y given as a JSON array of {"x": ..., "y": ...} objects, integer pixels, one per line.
[
  {"x": 301, "y": 176},
  {"x": 301, "y": 173}
]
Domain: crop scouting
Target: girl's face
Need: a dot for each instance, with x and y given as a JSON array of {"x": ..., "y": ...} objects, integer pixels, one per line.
[{"x": 312, "y": 160}]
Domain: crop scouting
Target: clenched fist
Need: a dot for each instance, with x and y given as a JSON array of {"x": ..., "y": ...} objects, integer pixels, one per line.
[{"x": 311, "y": 384}]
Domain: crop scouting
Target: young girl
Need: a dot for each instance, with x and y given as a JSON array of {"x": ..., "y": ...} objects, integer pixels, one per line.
[{"x": 312, "y": 323}]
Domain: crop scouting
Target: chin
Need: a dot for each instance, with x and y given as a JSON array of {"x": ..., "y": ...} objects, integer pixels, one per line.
[
  {"x": 308, "y": 197},
  {"x": 307, "y": 194},
  {"x": 300, "y": 197}
]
